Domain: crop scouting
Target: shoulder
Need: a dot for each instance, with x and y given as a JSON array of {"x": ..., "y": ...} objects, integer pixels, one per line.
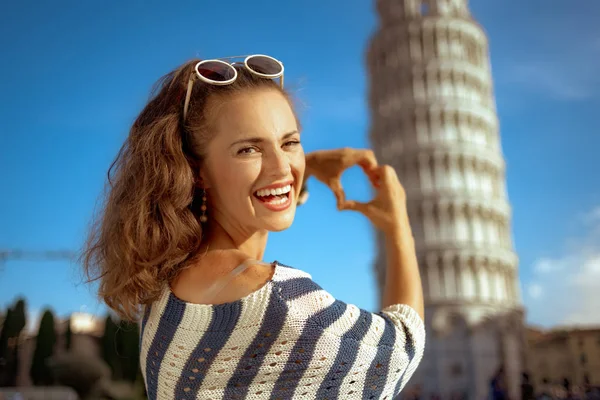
[
  {"x": 217, "y": 280},
  {"x": 293, "y": 283},
  {"x": 286, "y": 272}
]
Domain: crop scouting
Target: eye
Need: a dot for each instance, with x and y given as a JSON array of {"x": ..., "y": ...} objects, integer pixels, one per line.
[
  {"x": 247, "y": 150},
  {"x": 292, "y": 143}
]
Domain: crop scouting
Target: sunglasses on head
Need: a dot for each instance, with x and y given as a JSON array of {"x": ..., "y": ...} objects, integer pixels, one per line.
[{"x": 220, "y": 72}]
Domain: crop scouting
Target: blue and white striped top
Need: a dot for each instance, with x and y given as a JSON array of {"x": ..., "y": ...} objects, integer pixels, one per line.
[{"x": 288, "y": 340}]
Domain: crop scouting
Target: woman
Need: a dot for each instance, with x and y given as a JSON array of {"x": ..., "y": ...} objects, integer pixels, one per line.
[{"x": 211, "y": 165}]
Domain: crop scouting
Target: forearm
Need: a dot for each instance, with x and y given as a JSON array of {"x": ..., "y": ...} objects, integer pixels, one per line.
[{"x": 402, "y": 278}]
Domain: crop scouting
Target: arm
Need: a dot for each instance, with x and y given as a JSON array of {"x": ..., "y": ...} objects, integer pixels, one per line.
[
  {"x": 402, "y": 280},
  {"x": 387, "y": 211}
]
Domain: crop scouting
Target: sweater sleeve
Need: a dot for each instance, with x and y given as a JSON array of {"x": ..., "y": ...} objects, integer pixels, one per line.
[{"x": 350, "y": 350}]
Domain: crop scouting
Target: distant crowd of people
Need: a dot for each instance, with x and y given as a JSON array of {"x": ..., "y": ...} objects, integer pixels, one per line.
[
  {"x": 556, "y": 391},
  {"x": 498, "y": 390}
]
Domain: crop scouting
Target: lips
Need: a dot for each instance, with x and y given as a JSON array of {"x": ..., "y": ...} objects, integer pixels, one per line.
[{"x": 275, "y": 197}]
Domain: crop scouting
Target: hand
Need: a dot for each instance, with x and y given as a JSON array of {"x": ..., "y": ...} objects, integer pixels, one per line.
[
  {"x": 328, "y": 166},
  {"x": 387, "y": 211}
]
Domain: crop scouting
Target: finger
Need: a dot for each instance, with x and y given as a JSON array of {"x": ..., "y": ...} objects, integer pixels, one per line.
[
  {"x": 377, "y": 176},
  {"x": 365, "y": 158},
  {"x": 336, "y": 187},
  {"x": 388, "y": 174},
  {"x": 355, "y": 206},
  {"x": 375, "y": 179},
  {"x": 367, "y": 161}
]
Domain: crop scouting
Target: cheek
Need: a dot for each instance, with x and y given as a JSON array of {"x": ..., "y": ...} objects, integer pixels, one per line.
[
  {"x": 298, "y": 163},
  {"x": 235, "y": 180}
]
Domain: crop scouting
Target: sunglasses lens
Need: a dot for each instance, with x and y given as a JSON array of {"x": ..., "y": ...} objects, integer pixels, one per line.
[
  {"x": 264, "y": 65},
  {"x": 216, "y": 71}
]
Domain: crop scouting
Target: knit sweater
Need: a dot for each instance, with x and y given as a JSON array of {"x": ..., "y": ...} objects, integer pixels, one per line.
[{"x": 288, "y": 340}]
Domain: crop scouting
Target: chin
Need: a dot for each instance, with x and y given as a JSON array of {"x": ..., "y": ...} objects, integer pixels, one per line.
[
  {"x": 275, "y": 217},
  {"x": 278, "y": 223}
]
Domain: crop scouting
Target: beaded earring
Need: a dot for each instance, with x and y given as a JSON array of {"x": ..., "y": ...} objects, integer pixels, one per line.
[{"x": 203, "y": 217}]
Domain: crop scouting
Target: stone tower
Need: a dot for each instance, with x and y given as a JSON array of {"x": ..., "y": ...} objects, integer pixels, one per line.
[{"x": 434, "y": 120}]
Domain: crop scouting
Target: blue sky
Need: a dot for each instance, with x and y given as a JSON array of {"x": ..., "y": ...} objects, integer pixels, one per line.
[{"x": 76, "y": 73}]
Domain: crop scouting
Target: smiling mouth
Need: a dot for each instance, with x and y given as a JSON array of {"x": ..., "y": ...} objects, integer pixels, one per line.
[{"x": 276, "y": 196}]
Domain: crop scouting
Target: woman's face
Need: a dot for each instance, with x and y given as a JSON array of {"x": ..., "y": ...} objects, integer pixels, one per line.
[{"x": 254, "y": 164}]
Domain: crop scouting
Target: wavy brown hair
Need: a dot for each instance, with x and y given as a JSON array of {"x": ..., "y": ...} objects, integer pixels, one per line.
[{"x": 148, "y": 228}]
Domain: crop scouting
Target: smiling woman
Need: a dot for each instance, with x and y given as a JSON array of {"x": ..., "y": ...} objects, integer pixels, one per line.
[{"x": 212, "y": 164}]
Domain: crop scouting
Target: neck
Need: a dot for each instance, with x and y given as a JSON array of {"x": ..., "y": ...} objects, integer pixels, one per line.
[{"x": 251, "y": 244}]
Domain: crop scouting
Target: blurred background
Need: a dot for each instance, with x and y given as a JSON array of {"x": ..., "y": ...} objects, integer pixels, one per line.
[{"x": 487, "y": 110}]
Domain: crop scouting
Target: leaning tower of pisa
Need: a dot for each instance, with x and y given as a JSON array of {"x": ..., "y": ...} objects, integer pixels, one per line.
[{"x": 434, "y": 120}]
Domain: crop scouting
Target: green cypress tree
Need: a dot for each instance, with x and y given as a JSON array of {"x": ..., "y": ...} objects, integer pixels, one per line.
[
  {"x": 139, "y": 387},
  {"x": 128, "y": 350},
  {"x": 40, "y": 372},
  {"x": 68, "y": 335},
  {"x": 9, "y": 343},
  {"x": 19, "y": 322},
  {"x": 4, "y": 350},
  {"x": 5, "y": 333},
  {"x": 20, "y": 318},
  {"x": 110, "y": 347}
]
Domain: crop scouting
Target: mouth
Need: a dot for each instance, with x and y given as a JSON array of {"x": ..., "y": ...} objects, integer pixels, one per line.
[{"x": 275, "y": 197}]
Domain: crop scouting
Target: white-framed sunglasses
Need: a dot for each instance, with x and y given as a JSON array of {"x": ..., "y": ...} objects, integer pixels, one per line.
[{"x": 221, "y": 72}]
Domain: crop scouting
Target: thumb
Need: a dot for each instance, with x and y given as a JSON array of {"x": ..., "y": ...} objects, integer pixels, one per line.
[{"x": 355, "y": 206}]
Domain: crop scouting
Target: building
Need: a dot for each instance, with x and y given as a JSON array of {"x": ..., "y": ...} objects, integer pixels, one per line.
[
  {"x": 572, "y": 354},
  {"x": 434, "y": 120}
]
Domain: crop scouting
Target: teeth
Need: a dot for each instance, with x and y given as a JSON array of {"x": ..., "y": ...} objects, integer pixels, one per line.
[
  {"x": 274, "y": 192},
  {"x": 278, "y": 200}
]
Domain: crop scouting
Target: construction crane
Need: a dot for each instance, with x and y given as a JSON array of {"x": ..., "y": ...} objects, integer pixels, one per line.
[{"x": 32, "y": 255}]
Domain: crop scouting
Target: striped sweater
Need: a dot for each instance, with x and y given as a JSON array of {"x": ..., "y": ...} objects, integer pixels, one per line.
[{"x": 288, "y": 340}]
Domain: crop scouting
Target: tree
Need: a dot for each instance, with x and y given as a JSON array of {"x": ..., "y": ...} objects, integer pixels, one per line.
[
  {"x": 129, "y": 351},
  {"x": 5, "y": 365},
  {"x": 19, "y": 322},
  {"x": 14, "y": 323},
  {"x": 108, "y": 343},
  {"x": 120, "y": 349},
  {"x": 112, "y": 348},
  {"x": 140, "y": 385},
  {"x": 40, "y": 372},
  {"x": 68, "y": 335},
  {"x": 5, "y": 333},
  {"x": 19, "y": 317}
]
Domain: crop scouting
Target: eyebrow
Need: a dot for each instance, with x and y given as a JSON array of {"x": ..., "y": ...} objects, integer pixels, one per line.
[{"x": 260, "y": 140}]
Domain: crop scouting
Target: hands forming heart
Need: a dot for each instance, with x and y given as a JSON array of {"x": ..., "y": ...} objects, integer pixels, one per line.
[
  {"x": 387, "y": 210},
  {"x": 329, "y": 165}
]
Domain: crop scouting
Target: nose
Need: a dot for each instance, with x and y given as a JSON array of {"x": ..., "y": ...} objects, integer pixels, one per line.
[{"x": 277, "y": 164}]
